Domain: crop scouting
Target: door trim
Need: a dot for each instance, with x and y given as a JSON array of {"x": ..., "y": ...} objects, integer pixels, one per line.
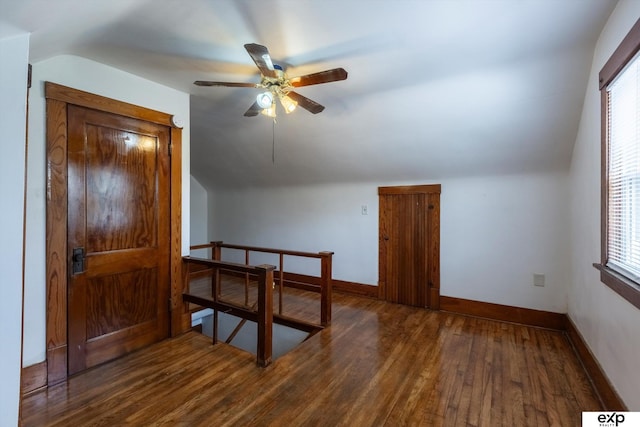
[
  {"x": 58, "y": 97},
  {"x": 433, "y": 251}
]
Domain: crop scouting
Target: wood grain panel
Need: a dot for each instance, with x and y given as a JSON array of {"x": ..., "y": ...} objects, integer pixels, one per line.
[
  {"x": 409, "y": 245},
  {"x": 120, "y": 301},
  {"x": 420, "y": 245},
  {"x": 123, "y": 342},
  {"x": 179, "y": 310},
  {"x": 76, "y": 237},
  {"x": 405, "y": 267},
  {"x": 98, "y": 264},
  {"x": 433, "y": 251},
  {"x": 383, "y": 243},
  {"x": 56, "y": 241},
  {"x": 121, "y": 189}
]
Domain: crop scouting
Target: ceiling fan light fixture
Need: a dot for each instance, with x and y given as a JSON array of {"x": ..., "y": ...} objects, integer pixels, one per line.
[
  {"x": 265, "y": 99},
  {"x": 276, "y": 84},
  {"x": 288, "y": 104},
  {"x": 270, "y": 111}
]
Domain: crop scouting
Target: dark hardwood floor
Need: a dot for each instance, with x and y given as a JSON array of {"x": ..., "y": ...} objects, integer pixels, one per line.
[{"x": 377, "y": 364}]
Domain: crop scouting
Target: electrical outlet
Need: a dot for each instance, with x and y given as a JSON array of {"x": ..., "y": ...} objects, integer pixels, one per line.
[
  {"x": 364, "y": 210},
  {"x": 538, "y": 279}
]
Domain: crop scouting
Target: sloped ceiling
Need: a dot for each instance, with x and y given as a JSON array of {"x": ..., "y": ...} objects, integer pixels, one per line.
[{"x": 436, "y": 88}]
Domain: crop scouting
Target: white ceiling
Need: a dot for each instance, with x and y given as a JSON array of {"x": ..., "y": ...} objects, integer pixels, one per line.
[{"x": 436, "y": 88}]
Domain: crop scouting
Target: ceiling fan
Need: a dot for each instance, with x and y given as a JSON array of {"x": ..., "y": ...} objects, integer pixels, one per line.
[{"x": 278, "y": 86}]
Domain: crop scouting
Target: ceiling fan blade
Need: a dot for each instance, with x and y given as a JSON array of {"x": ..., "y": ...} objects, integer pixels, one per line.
[
  {"x": 253, "y": 111},
  {"x": 227, "y": 84},
  {"x": 306, "y": 103},
  {"x": 261, "y": 57},
  {"x": 327, "y": 76}
]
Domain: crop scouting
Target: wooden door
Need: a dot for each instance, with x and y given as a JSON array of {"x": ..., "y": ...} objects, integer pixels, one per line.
[
  {"x": 118, "y": 235},
  {"x": 409, "y": 244}
]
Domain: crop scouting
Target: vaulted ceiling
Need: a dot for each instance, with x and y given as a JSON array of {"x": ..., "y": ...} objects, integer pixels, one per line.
[{"x": 436, "y": 88}]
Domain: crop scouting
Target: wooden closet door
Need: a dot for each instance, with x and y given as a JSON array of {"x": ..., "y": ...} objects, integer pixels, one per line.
[
  {"x": 118, "y": 217},
  {"x": 409, "y": 245}
]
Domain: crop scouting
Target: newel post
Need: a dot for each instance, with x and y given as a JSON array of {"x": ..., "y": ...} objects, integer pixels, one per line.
[
  {"x": 265, "y": 314},
  {"x": 325, "y": 288}
]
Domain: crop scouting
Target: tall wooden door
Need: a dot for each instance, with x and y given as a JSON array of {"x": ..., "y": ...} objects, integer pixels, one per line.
[
  {"x": 409, "y": 244},
  {"x": 118, "y": 235}
]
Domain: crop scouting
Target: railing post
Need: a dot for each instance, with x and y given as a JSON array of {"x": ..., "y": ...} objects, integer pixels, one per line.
[
  {"x": 215, "y": 292},
  {"x": 246, "y": 279},
  {"x": 265, "y": 314},
  {"x": 325, "y": 288},
  {"x": 281, "y": 285},
  {"x": 216, "y": 254},
  {"x": 216, "y": 250}
]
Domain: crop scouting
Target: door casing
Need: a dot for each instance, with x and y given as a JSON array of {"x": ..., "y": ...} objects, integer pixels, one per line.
[{"x": 58, "y": 97}]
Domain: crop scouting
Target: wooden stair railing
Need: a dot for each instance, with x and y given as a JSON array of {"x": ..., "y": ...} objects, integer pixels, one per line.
[
  {"x": 263, "y": 316},
  {"x": 323, "y": 285}
]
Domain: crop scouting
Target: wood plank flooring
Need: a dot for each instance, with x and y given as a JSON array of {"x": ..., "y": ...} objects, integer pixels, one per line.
[{"x": 378, "y": 364}]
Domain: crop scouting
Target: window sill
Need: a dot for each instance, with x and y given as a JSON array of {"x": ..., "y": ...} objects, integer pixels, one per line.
[{"x": 624, "y": 287}]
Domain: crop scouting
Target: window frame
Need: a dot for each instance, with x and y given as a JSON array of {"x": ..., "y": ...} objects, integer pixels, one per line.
[{"x": 625, "y": 286}]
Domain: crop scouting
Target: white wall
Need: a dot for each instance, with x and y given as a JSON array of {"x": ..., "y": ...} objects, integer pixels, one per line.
[
  {"x": 14, "y": 54},
  {"x": 608, "y": 323},
  {"x": 312, "y": 219},
  {"x": 496, "y": 232},
  {"x": 199, "y": 213},
  {"x": 82, "y": 74}
]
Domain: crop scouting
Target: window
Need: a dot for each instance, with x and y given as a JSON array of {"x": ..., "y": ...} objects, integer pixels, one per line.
[
  {"x": 623, "y": 166},
  {"x": 620, "y": 92}
]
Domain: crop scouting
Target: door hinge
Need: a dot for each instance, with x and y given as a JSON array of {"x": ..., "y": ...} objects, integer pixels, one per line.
[{"x": 170, "y": 149}]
